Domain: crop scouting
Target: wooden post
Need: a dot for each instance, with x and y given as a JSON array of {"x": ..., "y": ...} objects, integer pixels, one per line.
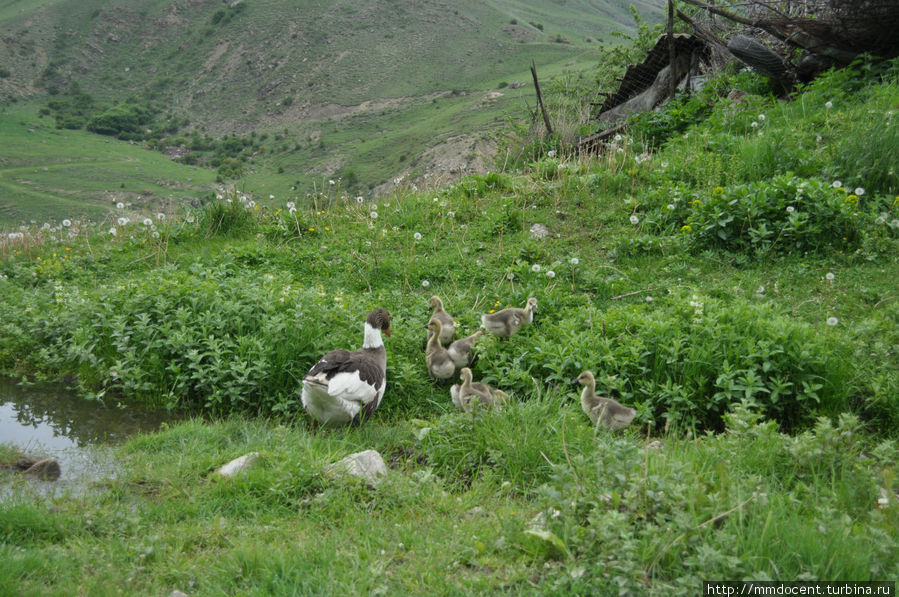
[
  {"x": 672, "y": 53},
  {"x": 549, "y": 129}
]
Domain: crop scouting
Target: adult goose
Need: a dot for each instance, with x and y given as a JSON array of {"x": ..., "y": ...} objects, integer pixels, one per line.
[
  {"x": 440, "y": 365},
  {"x": 460, "y": 350},
  {"x": 448, "y": 329},
  {"x": 344, "y": 385},
  {"x": 508, "y": 321},
  {"x": 469, "y": 395},
  {"x": 602, "y": 410}
]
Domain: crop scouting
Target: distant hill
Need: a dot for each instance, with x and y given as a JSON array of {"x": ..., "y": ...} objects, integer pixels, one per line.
[{"x": 354, "y": 89}]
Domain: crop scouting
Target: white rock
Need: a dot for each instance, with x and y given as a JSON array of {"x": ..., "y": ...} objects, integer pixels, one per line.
[
  {"x": 367, "y": 465},
  {"x": 238, "y": 465},
  {"x": 539, "y": 231}
]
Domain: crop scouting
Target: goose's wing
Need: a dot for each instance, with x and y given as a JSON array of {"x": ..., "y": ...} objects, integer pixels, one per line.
[{"x": 347, "y": 375}]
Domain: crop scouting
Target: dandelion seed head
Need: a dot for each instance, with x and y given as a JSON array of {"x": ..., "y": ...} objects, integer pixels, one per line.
[
  {"x": 417, "y": 236},
  {"x": 574, "y": 261},
  {"x": 374, "y": 215},
  {"x": 829, "y": 276},
  {"x": 67, "y": 223},
  {"x": 360, "y": 199},
  {"x": 649, "y": 299},
  {"x": 634, "y": 219},
  {"x": 859, "y": 191},
  {"x": 836, "y": 184},
  {"x": 510, "y": 276},
  {"x": 670, "y": 207},
  {"x": 148, "y": 222},
  {"x": 753, "y": 124},
  {"x": 160, "y": 216},
  {"x": 113, "y": 231},
  {"x": 551, "y": 153},
  {"x": 894, "y": 224},
  {"x": 120, "y": 205},
  {"x": 535, "y": 268},
  {"x": 828, "y": 104},
  {"x": 790, "y": 209},
  {"x": 425, "y": 283},
  {"x": 832, "y": 321},
  {"x": 762, "y": 117},
  {"x": 550, "y": 274}
]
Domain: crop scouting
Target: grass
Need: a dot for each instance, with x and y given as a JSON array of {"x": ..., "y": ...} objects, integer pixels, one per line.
[
  {"x": 770, "y": 385},
  {"x": 358, "y": 102}
]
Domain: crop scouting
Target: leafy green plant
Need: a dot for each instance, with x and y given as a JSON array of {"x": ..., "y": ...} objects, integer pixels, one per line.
[{"x": 783, "y": 215}]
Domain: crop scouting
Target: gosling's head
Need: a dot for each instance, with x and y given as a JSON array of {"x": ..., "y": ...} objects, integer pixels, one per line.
[
  {"x": 532, "y": 304},
  {"x": 585, "y": 379},
  {"x": 435, "y": 302},
  {"x": 434, "y": 326},
  {"x": 465, "y": 374}
]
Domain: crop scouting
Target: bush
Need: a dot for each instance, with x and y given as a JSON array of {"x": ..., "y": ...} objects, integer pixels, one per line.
[{"x": 779, "y": 216}]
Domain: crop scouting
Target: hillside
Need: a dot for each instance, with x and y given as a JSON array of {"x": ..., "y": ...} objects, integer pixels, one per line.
[
  {"x": 353, "y": 89},
  {"x": 727, "y": 269}
]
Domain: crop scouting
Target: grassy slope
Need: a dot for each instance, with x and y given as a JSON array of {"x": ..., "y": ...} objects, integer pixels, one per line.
[
  {"x": 328, "y": 61},
  {"x": 52, "y": 174},
  {"x": 457, "y": 514}
]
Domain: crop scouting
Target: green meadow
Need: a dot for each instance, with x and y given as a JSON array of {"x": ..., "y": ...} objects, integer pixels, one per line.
[{"x": 728, "y": 270}]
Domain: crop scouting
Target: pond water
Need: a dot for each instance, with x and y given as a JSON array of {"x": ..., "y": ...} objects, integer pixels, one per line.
[{"x": 48, "y": 420}]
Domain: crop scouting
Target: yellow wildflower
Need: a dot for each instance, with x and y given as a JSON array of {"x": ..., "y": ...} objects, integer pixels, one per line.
[{"x": 685, "y": 228}]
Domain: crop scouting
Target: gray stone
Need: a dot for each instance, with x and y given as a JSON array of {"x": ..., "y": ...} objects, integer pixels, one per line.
[
  {"x": 47, "y": 469},
  {"x": 238, "y": 465},
  {"x": 367, "y": 465},
  {"x": 539, "y": 231}
]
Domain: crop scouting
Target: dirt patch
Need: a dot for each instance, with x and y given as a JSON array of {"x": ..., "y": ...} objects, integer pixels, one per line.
[{"x": 446, "y": 162}]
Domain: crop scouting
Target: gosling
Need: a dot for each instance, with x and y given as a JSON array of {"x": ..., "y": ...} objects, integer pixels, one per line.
[
  {"x": 469, "y": 396},
  {"x": 460, "y": 350},
  {"x": 508, "y": 321},
  {"x": 440, "y": 365},
  {"x": 446, "y": 320},
  {"x": 602, "y": 410}
]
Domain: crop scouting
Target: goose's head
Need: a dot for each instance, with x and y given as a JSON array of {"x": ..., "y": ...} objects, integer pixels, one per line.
[
  {"x": 379, "y": 319},
  {"x": 434, "y": 326},
  {"x": 585, "y": 379},
  {"x": 435, "y": 303},
  {"x": 532, "y": 304}
]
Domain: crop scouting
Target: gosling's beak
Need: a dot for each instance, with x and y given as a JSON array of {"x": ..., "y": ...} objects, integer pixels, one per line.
[{"x": 574, "y": 382}]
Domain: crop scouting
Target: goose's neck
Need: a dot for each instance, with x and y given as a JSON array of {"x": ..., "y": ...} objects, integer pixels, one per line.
[
  {"x": 434, "y": 343},
  {"x": 372, "y": 337},
  {"x": 588, "y": 394}
]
